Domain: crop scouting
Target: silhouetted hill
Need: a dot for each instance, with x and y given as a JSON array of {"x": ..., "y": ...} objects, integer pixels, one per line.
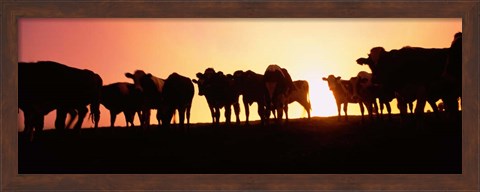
[{"x": 319, "y": 145}]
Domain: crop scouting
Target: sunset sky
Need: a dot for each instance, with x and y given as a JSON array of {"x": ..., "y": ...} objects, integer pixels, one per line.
[{"x": 308, "y": 48}]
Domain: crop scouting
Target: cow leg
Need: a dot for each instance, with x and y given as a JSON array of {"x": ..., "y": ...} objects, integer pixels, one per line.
[
  {"x": 140, "y": 118},
  {"x": 345, "y": 109},
  {"x": 285, "y": 108},
  {"x": 279, "y": 115},
  {"x": 73, "y": 115},
  {"x": 451, "y": 106},
  {"x": 38, "y": 124},
  {"x": 434, "y": 108},
  {"x": 339, "y": 106},
  {"x": 267, "y": 113},
  {"x": 95, "y": 111},
  {"x": 247, "y": 111},
  {"x": 389, "y": 111},
  {"x": 60, "y": 119},
  {"x": 217, "y": 115},
  {"x": 159, "y": 118},
  {"x": 421, "y": 101},
  {"x": 82, "y": 112},
  {"x": 129, "y": 116},
  {"x": 28, "y": 122},
  {"x": 113, "y": 116},
  {"x": 308, "y": 107},
  {"x": 213, "y": 113},
  {"x": 261, "y": 113},
  {"x": 181, "y": 116},
  {"x": 228, "y": 113},
  {"x": 362, "y": 110},
  {"x": 33, "y": 125},
  {"x": 381, "y": 109},
  {"x": 375, "y": 108},
  {"x": 188, "y": 116},
  {"x": 146, "y": 117},
  {"x": 410, "y": 106},
  {"x": 236, "y": 109},
  {"x": 402, "y": 106},
  {"x": 369, "y": 110}
]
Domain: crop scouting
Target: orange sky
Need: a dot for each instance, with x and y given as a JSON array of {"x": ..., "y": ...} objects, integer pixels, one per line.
[{"x": 309, "y": 48}]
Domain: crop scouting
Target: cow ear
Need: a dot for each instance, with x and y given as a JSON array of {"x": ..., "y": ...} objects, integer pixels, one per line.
[
  {"x": 129, "y": 75},
  {"x": 338, "y": 78},
  {"x": 199, "y": 75},
  {"x": 325, "y": 79},
  {"x": 361, "y": 61},
  {"x": 195, "y": 81}
]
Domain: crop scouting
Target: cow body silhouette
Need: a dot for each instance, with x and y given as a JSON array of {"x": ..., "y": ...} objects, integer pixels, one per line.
[
  {"x": 301, "y": 95},
  {"x": 150, "y": 89},
  {"x": 65, "y": 89},
  {"x": 178, "y": 94},
  {"x": 423, "y": 66},
  {"x": 121, "y": 97},
  {"x": 278, "y": 84},
  {"x": 342, "y": 92},
  {"x": 250, "y": 85},
  {"x": 219, "y": 91}
]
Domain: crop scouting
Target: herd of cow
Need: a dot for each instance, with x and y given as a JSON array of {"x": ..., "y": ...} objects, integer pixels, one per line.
[
  {"x": 408, "y": 74},
  {"x": 433, "y": 74}
]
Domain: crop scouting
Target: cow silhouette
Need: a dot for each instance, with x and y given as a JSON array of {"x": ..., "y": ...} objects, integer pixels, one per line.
[
  {"x": 121, "y": 97},
  {"x": 301, "y": 95},
  {"x": 45, "y": 86},
  {"x": 278, "y": 84},
  {"x": 250, "y": 85},
  {"x": 424, "y": 67},
  {"x": 178, "y": 94},
  {"x": 150, "y": 88},
  {"x": 342, "y": 91},
  {"x": 219, "y": 92}
]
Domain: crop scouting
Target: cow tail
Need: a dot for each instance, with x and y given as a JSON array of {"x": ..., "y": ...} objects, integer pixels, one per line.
[
  {"x": 95, "y": 104},
  {"x": 308, "y": 97}
]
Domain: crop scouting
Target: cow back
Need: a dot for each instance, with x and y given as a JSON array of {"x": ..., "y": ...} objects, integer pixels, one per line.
[
  {"x": 250, "y": 85},
  {"x": 410, "y": 65}
]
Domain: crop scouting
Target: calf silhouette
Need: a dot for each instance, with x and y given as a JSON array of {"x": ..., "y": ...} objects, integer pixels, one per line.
[{"x": 121, "y": 97}]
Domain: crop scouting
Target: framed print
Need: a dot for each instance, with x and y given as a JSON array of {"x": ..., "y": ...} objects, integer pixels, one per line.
[{"x": 68, "y": 63}]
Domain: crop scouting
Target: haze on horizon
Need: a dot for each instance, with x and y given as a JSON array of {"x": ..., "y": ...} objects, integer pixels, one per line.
[{"x": 308, "y": 48}]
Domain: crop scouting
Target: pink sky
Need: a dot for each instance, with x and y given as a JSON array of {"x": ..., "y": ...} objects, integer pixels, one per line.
[{"x": 309, "y": 48}]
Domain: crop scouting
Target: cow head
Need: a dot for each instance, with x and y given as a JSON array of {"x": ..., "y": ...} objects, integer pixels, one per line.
[
  {"x": 375, "y": 54},
  {"x": 365, "y": 79},
  {"x": 204, "y": 80},
  {"x": 373, "y": 61},
  {"x": 138, "y": 78},
  {"x": 200, "y": 83},
  {"x": 276, "y": 80},
  {"x": 333, "y": 82},
  {"x": 361, "y": 82}
]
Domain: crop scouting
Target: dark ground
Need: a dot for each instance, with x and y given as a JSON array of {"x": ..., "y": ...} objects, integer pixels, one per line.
[{"x": 319, "y": 145}]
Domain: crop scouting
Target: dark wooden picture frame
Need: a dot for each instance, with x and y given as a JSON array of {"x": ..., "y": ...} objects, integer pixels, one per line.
[{"x": 11, "y": 11}]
